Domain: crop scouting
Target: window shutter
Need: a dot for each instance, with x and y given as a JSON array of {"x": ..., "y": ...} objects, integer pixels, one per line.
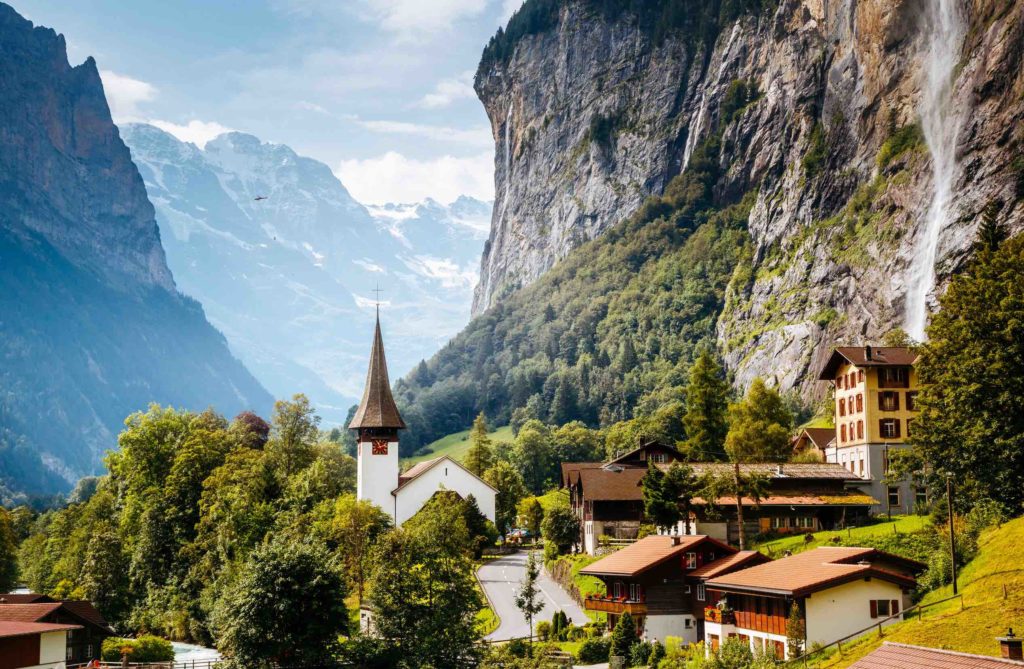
[
  {"x": 874, "y": 608},
  {"x": 896, "y": 424},
  {"x": 894, "y": 606}
]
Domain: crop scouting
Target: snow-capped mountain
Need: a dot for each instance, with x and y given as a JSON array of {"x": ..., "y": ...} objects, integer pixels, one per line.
[{"x": 285, "y": 260}]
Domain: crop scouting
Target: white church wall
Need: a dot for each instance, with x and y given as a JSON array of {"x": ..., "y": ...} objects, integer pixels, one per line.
[
  {"x": 447, "y": 475},
  {"x": 377, "y": 476}
]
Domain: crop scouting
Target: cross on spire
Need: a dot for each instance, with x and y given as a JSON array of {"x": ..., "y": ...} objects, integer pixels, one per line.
[{"x": 377, "y": 291}]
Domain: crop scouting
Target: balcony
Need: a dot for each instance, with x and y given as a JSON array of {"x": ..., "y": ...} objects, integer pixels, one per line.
[
  {"x": 713, "y": 614},
  {"x": 615, "y": 605}
]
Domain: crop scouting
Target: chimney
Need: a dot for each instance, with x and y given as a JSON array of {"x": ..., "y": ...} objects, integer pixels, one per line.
[
  {"x": 867, "y": 352},
  {"x": 676, "y": 540},
  {"x": 778, "y": 471},
  {"x": 1010, "y": 645}
]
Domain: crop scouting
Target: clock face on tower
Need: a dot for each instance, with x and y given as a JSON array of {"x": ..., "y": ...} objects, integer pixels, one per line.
[{"x": 380, "y": 446}]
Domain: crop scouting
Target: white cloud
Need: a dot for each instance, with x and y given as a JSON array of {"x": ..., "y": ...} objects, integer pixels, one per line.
[
  {"x": 443, "y": 270},
  {"x": 393, "y": 177},
  {"x": 197, "y": 132},
  {"x": 448, "y": 91},
  {"x": 412, "y": 19},
  {"x": 479, "y": 136},
  {"x": 125, "y": 95},
  {"x": 311, "y": 107},
  {"x": 369, "y": 265}
]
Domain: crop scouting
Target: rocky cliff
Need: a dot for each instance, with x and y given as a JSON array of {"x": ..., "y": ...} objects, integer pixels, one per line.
[
  {"x": 834, "y": 112},
  {"x": 91, "y": 326}
]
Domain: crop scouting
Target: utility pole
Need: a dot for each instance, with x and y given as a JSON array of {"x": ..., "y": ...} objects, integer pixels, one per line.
[
  {"x": 952, "y": 538},
  {"x": 885, "y": 477}
]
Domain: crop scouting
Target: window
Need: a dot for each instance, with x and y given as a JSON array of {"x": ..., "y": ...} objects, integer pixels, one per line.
[
  {"x": 691, "y": 560},
  {"x": 686, "y": 589},
  {"x": 839, "y": 382},
  {"x": 861, "y": 468},
  {"x": 893, "y": 377},
  {"x": 617, "y": 590},
  {"x": 701, "y": 592},
  {"x": 894, "y": 495},
  {"x": 889, "y": 428},
  {"x": 634, "y": 592},
  {"x": 842, "y": 406},
  {"x": 883, "y": 608},
  {"x": 860, "y": 402},
  {"x": 860, "y": 429},
  {"x": 659, "y": 458},
  {"x": 912, "y": 400},
  {"x": 88, "y": 651},
  {"x": 70, "y": 653},
  {"x": 860, "y": 376},
  {"x": 889, "y": 401},
  {"x": 688, "y": 622},
  {"x": 921, "y": 496},
  {"x": 842, "y": 433}
]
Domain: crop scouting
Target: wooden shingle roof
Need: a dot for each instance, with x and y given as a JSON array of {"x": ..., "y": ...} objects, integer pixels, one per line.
[
  {"x": 867, "y": 356},
  {"x": 903, "y": 656},
  {"x": 646, "y": 553},
  {"x": 740, "y": 560},
  {"x": 377, "y": 408},
  {"x": 10, "y": 628}
]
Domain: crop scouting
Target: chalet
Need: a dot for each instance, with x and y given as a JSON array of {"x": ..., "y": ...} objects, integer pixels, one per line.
[
  {"x": 656, "y": 581},
  {"x": 815, "y": 440},
  {"x": 90, "y": 628},
  {"x": 918, "y": 657},
  {"x": 838, "y": 591},
  {"x": 27, "y": 645},
  {"x": 875, "y": 406},
  {"x": 608, "y": 500}
]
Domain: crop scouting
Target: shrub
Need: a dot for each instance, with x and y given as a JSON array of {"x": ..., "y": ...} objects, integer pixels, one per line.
[
  {"x": 639, "y": 654},
  {"x": 594, "y": 651},
  {"x": 657, "y": 654},
  {"x": 898, "y": 143},
  {"x": 146, "y": 648},
  {"x": 543, "y": 630},
  {"x": 576, "y": 633},
  {"x": 816, "y": 152}
]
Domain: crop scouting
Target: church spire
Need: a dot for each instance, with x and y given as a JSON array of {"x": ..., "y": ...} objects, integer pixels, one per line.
[{"x": 378, "y": 408}]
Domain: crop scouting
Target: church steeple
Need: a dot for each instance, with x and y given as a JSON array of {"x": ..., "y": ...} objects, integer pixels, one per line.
[{"x": 377, "y": 410}]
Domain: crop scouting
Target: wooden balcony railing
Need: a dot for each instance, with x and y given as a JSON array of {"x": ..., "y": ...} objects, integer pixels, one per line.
[
  {"x": 713, "y": 614},
  {"x": 613, "y": 605}
]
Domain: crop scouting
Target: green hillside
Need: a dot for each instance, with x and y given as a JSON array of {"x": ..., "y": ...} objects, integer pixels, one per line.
[
  {"x": 455, "y": 445},
  {"x": 985, "y": 615},
  {"x": 851, "y": 536}
]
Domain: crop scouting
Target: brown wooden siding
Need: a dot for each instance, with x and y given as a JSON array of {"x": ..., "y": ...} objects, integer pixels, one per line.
[
  {"x": 763, "y": 614},
  {"x": 20, "y": 651}
]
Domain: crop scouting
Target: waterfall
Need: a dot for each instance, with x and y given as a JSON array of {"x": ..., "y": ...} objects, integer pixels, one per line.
[
  {"x": 696, "y": 125},
  {"x": 945, "y": 25}
]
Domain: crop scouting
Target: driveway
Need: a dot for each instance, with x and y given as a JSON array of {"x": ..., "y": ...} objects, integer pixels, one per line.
[{"x": 501, "y": 580}]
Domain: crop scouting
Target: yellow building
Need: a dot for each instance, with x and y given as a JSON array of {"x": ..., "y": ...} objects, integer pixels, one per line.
[{"x": 875, "y": 396}]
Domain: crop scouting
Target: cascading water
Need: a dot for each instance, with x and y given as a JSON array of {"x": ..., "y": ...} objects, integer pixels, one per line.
[
  {"x": 698, "y": 120},
  {"x": 946, "y": 28}
]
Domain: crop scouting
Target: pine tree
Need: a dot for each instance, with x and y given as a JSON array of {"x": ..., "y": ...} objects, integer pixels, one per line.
[
  {"x": 796, "y": 631},
  {"x": 991, "y": 231},
  {"x": 707, "y": 400},
  {"x": 624, "y": 636},
  {"x": 683, "y": 485},
  {"x": 479, "y": 457},
  {"x": 659, "y": 504}
]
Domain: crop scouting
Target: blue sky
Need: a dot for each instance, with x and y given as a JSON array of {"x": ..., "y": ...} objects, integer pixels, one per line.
[{"x": 380, "y": 90}]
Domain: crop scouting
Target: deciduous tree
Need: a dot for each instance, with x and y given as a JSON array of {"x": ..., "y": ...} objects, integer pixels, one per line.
[{"x": 509, "y": 484}]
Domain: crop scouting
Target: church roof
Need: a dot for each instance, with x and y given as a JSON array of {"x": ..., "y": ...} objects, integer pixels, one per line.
[
  {"x": 378, "y": 408},
  {"x": 421, "y": 468}
]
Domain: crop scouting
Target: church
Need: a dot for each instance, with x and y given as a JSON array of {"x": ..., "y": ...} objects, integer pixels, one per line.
[{"x": 379, "y": 479}]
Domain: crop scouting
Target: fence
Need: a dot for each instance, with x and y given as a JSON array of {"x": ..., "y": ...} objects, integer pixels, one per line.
[{"x": 905, "y": 615}]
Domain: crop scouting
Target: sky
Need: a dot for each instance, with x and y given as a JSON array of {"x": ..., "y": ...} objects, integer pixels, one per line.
[{"x": 380, "y": 90}]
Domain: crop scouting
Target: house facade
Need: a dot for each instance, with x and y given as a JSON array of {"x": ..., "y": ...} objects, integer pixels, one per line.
[
  {"x": 838, "y": 591},
  {"x": 87, "y": 627},
  {"x": 655, "y": 580},
  {"x": 608, "y": 500},
  {"x": 29, "y": 645},
  {"x": 875, "y": 406}
]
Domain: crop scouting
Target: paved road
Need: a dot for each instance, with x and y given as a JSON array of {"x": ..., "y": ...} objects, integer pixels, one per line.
[{"x": 501, "y": 579}]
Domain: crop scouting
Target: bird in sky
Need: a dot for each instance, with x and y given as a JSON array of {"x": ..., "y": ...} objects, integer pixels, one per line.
[{"x": 260, "y": 197}]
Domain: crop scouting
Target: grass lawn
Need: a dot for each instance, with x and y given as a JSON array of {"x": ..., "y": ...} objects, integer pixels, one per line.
[
  {"x": 985, "y": 614},
  {"x": 486, "y": 621},
  {"x": 797, "y": 542},
  {"x": 456, "y": 445}
]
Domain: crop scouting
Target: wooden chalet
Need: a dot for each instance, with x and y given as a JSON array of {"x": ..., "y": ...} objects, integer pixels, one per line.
[
  {"x": 658, "y": 580},
  {"x": 89, "y": 626}
]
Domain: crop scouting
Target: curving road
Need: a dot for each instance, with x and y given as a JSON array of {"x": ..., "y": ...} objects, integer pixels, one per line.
[{"x": 501, "y": 579}]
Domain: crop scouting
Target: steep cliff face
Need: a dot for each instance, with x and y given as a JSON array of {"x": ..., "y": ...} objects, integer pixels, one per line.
[
  {"x": 91, "y": 326},
  {"x": 830, "y": 111}
]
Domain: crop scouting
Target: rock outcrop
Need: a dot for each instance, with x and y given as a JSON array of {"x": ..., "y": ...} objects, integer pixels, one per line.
[
  {"x": 594, "y": 114},
  {"x": 91, "y": 325}
]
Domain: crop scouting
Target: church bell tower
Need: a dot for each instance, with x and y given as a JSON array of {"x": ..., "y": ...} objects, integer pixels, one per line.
[{"x": 377, "y": 423}]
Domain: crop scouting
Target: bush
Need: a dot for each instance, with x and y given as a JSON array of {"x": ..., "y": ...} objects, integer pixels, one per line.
[
  {"x": 899, "y": 142},
  {"x": 594, "y": 651},
  {"x": 657, "y": 654},
  {"x": 550, "y": 552},
  {"x": 146, "y": 648},
  {"x": 576, "y": 633},
  {"x": 543, "y": 630},
  {"x": 639, "y": 654}
]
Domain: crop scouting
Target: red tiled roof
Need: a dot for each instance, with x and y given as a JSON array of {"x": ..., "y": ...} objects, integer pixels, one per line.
[
  {"x": 729, "y": 563},
  {"x": 28, "y": 613},
  {"x": 86, "y": 611},
  {"x": 809, "y": 571},
  {"x": 646, "y": 553},
  {"x": 24, "y": 598},
  {"x": 9, "y": 628},
  {"x": 903, "y": 656},
  {"x": 881, "y": 356}
]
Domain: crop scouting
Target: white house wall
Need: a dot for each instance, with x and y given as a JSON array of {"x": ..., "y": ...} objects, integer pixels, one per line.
[
  {"x": 377, "y": 476},
  {"x": 845, "y": 609},
  {"x": 658, "y": 627},
  {"x": 445, "y": 475}
]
